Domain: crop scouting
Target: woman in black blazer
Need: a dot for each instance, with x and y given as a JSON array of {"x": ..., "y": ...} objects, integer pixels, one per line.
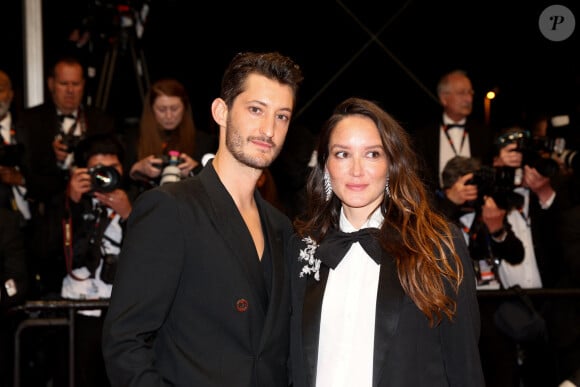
[{"x": 383, "y": 291}]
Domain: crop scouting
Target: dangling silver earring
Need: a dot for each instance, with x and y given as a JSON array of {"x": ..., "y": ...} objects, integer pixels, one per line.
[
  {"x": 387, "y": 188},
  {"x": 327, "y": 186}
]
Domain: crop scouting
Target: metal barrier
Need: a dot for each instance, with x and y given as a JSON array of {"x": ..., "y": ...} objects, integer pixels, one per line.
[{"x": 35, "y": 311}]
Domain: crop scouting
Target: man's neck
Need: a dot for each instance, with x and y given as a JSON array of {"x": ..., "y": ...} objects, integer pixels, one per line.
[
  {"x": 239, "y": 179},
  {"x": 454, "y": 118}
]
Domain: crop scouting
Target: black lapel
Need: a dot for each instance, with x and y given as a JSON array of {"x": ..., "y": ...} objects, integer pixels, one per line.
[
  {"x": 311, "y": 315},
  {"x": 234, "y": 232},
  {"x": 389, "y": 299},
  {"x": 275, "y": 244}
]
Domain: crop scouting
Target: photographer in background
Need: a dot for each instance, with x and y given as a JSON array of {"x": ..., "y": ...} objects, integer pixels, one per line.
[
  {"x": 97, "y": 206},
  {"x": 12, "y": 187},
  {"x": 48, "y": 133},
  {"x": 166, "y": 125},
  {"x": 537, "y": 219},
  {"x": 470, "y": 203}
]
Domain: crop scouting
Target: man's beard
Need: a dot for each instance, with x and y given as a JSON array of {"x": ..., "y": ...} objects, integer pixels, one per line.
[{"x": 235, "y": 144}]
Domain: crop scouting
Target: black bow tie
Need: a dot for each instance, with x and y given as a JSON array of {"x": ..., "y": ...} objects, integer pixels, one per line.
[
  {"x": 61, "y": 117},
  {"x": 336, "y": 244},
  {"x": 451, "y": 126}
]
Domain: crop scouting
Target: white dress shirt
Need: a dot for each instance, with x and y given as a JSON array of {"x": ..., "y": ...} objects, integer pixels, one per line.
[
  {"x": 446, "y": 151},
  {"x": 526, "y": 273},
  {"x": 347, "y": 326}
]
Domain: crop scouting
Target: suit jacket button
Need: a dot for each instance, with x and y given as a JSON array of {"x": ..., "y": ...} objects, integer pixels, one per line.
[{"x": 242, "y": 305}]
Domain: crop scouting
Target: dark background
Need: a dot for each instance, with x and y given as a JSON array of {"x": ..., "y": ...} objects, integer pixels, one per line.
[{"x": 498, "y": 44}]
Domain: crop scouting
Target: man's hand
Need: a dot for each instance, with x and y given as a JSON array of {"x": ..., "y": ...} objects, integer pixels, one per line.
[
  {"x": 492, "y": 215},
  {"x": 79, "y": 183},
  {"x": 509, "y": 157},
  {"x": 539, "y": 184},
  {"x": 11, "y": 176},
  {"x": 460, "y": 192},
  {"x": 60, "y": 149},
  {"x": 117, "y": 200}
]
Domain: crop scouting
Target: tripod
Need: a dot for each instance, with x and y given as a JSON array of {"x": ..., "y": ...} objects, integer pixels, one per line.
[{"x": 125, "y": 43}]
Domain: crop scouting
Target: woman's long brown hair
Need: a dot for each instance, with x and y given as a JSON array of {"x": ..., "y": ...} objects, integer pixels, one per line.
[
  {"x": 418, "y": 238},
  {"x": 152, "y": 138}
]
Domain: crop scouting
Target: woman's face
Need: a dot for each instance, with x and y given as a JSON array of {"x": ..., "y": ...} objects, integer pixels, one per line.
[
  {"x": 357, "y": 165},
  {"x": 168, "y": 111}
]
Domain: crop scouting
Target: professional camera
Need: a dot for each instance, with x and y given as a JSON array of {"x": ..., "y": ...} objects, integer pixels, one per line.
[
  {"x": 9, "y": 154},
  {"x": 170, "y": 171},
  {"x": 499, "y": 184},
  {"x": 70, "y": 140},
  {"x": 535, "y": 151},
  {"x": 104, "y": 178}
]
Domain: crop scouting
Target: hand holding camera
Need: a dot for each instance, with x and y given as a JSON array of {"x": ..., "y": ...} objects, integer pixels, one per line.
[{"x": 462, "y": 191}]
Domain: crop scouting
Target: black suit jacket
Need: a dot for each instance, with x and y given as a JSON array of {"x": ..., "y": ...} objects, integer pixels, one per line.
[
  {"x": 187, "y": 307},
  {"x": 407, "y": 351},
  {"x": 426, "y": 141}
]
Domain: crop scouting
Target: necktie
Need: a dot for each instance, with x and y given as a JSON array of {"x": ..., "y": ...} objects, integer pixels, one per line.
[
  {"x": 452, "y": 126},
  {"x": 336, "y": 244}
]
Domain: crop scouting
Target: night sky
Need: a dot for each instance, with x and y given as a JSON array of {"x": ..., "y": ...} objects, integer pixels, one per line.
[{"x": 415, "y": 43}]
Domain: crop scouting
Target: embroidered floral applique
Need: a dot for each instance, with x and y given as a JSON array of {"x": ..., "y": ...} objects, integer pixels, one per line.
[{"x": 312, "y": 265}]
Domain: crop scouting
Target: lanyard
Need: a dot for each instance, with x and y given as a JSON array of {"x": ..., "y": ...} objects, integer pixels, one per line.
[{"x": 446, "y": 131}]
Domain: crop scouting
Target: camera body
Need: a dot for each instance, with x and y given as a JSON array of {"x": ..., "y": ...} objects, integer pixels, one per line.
[
  {"x": 104, "y": 178},
  {"x": 170, "y": 171},
  {"x": 498, "y": 183},
  {"x": 166, "y": 160},
  {"x": 70, "y": 140},
  {"x": 535, "y": 151}
]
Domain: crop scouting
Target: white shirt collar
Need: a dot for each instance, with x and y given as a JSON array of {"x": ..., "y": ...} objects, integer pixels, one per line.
[
  {"x": 447, "y": 120},
  {"x": 374, "y": 221}
]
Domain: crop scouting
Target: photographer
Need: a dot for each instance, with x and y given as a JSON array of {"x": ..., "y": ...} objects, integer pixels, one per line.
[
  {"x": 472, "y": 207},
  {"x": 166, "y": 125},
  {"x": 98, "y": 206},
  {"x": 12, "y": 187},
  {"x": 47, "y": 132},
  {"x": 537, "y": 219}
]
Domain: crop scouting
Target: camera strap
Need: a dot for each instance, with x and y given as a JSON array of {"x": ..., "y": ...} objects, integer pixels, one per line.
[{"x": 67, "y": 232}]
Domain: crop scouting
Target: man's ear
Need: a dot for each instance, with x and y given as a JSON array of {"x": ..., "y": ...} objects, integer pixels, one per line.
[{"x": 219, "y": 111}]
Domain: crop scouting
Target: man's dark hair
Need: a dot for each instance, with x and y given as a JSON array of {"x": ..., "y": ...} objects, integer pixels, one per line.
[
  {"x": 456, "y": 167},
  {"x": 272, "y": 65},
  {"x": 102, "y": 143}
]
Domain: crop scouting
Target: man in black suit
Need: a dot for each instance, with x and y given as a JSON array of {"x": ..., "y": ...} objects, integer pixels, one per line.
[
  {"x": 455, "y": 133},
  {"x": 48, "y": 133},
  {"x": 201, "y": 296}
]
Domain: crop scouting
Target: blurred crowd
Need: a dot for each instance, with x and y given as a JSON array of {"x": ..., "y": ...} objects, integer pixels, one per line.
[{"x": 69, "y": 173}]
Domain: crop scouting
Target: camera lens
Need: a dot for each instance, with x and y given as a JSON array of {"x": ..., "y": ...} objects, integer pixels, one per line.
[{"x": 104, "y": 179}]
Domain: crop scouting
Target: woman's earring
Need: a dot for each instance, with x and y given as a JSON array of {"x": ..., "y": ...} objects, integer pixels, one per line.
[
  {"x": 327, "y": 186},
  {"x": 387, "y": 188}
]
